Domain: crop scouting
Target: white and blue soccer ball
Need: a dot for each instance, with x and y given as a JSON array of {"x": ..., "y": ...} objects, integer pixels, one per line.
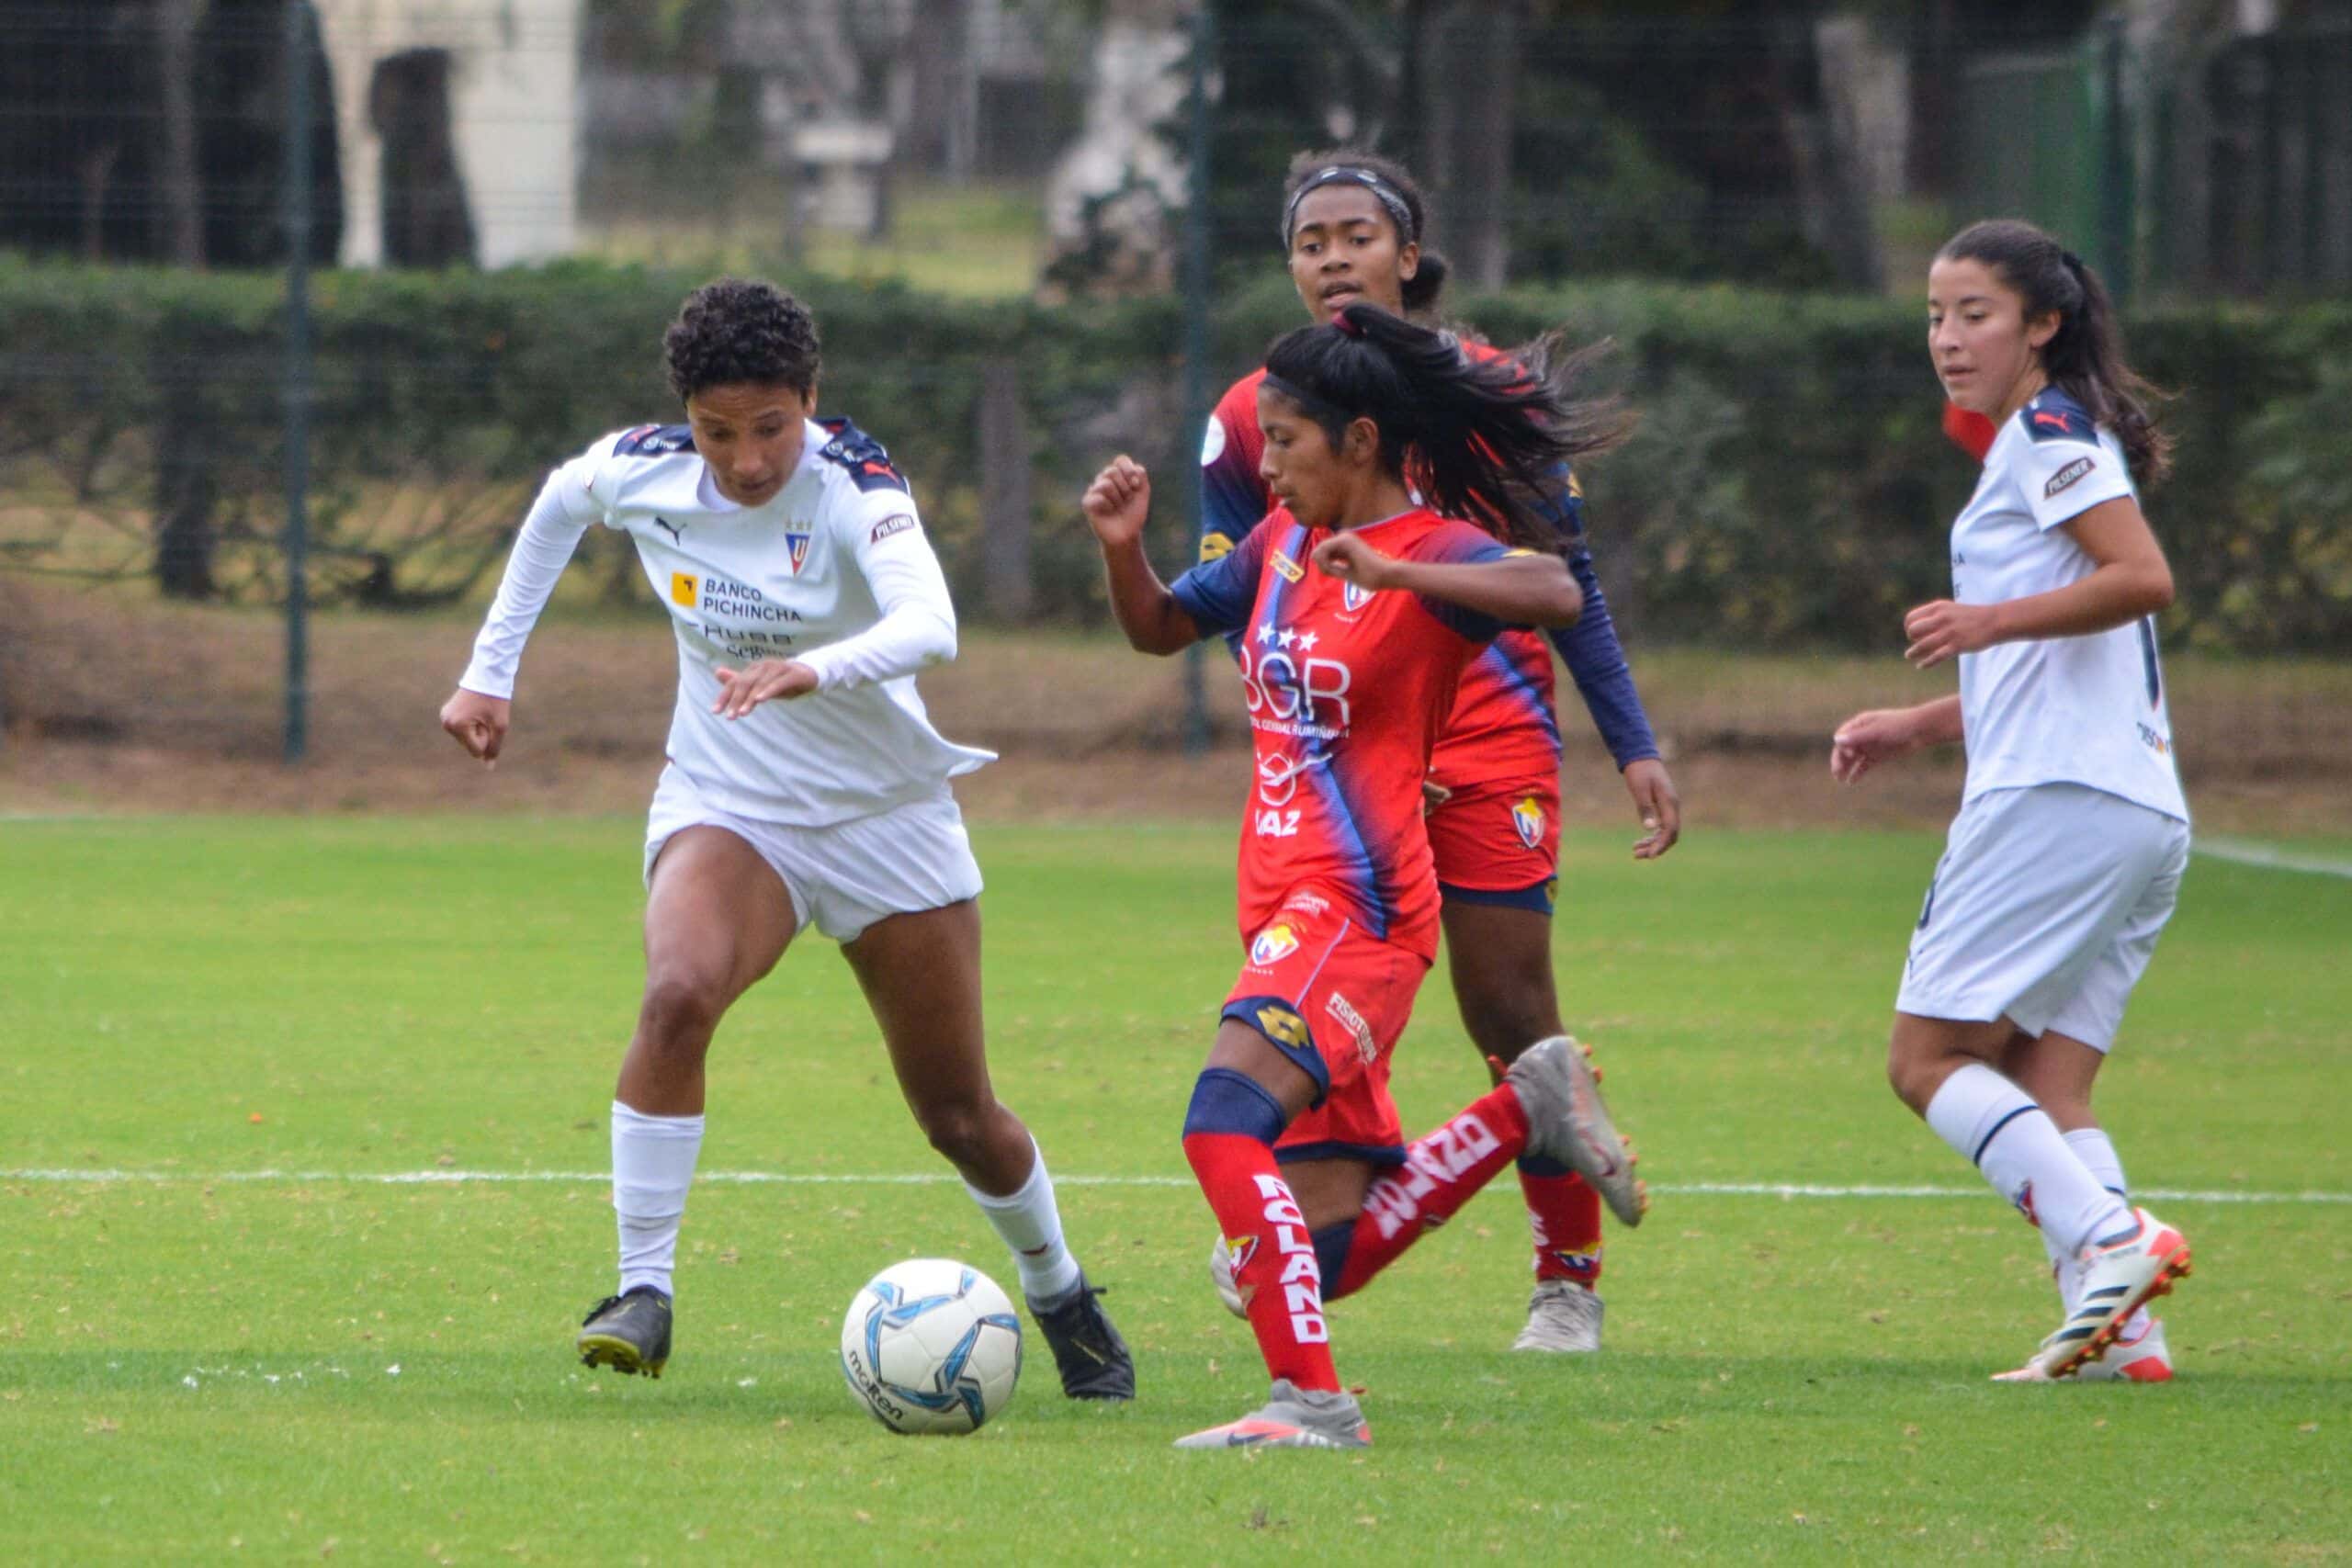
[{"x": 931, "y": 1344}]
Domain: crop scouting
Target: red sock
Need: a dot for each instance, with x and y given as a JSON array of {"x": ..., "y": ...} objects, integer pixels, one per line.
[
  {"x": 1274, "y": 1264},
  {"x": 1564, "y": 1213},
  {"x": 1440, "y": 1172}
]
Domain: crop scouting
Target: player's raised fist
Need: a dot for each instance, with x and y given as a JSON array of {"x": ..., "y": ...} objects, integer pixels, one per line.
[
  {"x": 1118, "y": 501},
  {"x": 1349, "y": 560},
  {"x": 478, "y": 723}
]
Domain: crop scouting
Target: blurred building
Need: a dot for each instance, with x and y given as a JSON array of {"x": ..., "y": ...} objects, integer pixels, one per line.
[{"x": 458, "y": 129}]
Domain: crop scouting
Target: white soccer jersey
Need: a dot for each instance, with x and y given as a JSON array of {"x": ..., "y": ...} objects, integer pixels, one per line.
[
  {"x": 2087, "y": 710},
  {"x": 833, "y": 570}
]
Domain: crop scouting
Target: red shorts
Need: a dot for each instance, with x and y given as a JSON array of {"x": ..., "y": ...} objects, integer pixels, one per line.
[
  {"x": 1333, "y": 999},
  {"x": 1498, "y": 843}
]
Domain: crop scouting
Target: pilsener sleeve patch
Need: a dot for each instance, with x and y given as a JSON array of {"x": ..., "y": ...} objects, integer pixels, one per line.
[
  {"x": 897, "y": 523},
  {"x": 2066, "y": 476}
]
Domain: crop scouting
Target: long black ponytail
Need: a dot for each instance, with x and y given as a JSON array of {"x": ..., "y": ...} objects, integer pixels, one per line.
[
  {"x": 1486, "y": 438},
  {"x": 2084, "y": 359}
]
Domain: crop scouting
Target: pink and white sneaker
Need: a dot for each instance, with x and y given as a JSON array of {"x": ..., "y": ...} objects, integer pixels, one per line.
[
  {"x": 2121, "y": 1274},
  {"x": 2134, "y": 1358}
]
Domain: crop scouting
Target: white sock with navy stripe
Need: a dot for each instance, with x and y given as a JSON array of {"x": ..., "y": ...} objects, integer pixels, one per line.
[{"x": 1997, "y": 1127}]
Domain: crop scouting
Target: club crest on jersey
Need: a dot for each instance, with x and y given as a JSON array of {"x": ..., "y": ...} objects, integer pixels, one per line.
[
  {"x": 797, "y": 546},
  {"x": 1274, "y": 944},
  {"x": 1528, "y": 817},
  {"x": 1354, "y": 596}
]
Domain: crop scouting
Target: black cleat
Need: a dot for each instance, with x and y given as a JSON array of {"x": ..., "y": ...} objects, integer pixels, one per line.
[
  {"x": 1094, "y": 1360},
  {"x": 629, "y": 1332}
]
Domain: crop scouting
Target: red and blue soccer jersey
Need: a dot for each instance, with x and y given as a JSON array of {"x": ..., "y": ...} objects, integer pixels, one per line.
[
  {"x": 1502, "y": 728},
  {"x": 1347, "y": 691}
]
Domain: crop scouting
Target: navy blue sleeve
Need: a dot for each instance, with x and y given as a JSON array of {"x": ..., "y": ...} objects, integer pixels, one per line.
[
  {"x": 1218, "y": 593},
  {"x": 1596, "y": 659}
]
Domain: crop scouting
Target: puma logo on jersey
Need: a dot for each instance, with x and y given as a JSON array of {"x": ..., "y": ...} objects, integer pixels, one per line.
[{"x": 677, "y": 532}]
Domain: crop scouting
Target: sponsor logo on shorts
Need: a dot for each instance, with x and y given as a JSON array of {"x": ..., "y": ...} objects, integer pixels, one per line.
[
  {"x": 2154, "y": 741},
  {"x": 1307, "y": 904},
  {"x": 1282, "y": 1026},
  {"x": 1528, "y": 817},
  {"x": 682, "y": 588},
  {"x": 1292, "y": 571},
  {"x": 798, "y": 544},
  {"x": 2066, "y": 476},
  {"x": 1340, "y": 1007},
  {"x": 1274, "y": 944},
  {"x": 897, "y": 523}
]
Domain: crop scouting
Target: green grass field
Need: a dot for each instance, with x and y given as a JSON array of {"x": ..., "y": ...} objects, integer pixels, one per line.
[{"x": 203, "y": 1361}]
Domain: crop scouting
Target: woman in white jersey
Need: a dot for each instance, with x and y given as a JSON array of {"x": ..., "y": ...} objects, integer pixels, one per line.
[
  {"x": 2066, "y": 857},
  {"x": 804, "y": 786}
]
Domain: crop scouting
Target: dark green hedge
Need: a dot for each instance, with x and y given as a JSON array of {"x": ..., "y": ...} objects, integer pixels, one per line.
[{"x": 1788, "y": 485}]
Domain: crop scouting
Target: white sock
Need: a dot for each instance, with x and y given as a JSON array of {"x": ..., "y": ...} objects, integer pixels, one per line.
[
  {"x": 1997, "y": 1127},
  {"x": 653, "y": 1164},
  {"x": 2097, "y": 1151},
  {"x": 1031, "y": 1226}
]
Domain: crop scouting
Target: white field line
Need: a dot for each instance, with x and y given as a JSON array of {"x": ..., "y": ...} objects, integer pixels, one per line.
[
  {"x": 1787, "y": 1190},
  {"x": 2251, "y": 851}
]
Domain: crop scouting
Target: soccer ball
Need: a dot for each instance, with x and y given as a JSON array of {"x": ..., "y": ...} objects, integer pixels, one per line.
[{"x": 931, "y": 1344}]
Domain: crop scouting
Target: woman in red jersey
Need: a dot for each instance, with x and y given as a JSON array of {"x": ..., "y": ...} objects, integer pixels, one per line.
[
  {"x": 1351, "y": 228},
  {"x": 1356, "y": 609}
]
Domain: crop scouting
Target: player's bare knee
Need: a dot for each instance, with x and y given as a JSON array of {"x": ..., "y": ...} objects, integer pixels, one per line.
[
  {"x": 958, "y": 1129},
  {"x": 679, "y": 1013}
]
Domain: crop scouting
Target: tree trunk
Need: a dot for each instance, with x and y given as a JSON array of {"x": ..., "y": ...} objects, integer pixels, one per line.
[{"x": 183, "y": 196}]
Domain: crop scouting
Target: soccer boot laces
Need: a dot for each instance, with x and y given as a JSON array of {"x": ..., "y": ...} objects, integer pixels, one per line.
[
  {"x": 1291, "y": 1418},
  {"x": 1562, "y": 1315},
  {"x": 1567, "y": 1121},
  {"x": 1094, "y": 1361},
  {"x": 629, "y": 1333}
]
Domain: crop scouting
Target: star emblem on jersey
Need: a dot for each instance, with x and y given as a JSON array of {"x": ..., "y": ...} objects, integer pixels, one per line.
[
  {"x": 797, "y": 544},
  {"x": 1266, "y": 632},
  {"x": 1528, "y": 817}
]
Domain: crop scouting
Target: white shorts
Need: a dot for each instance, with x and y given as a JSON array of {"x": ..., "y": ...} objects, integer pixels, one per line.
[
  {"x": 2044, "y": 910},
  {"x": 844, "y": 876}
]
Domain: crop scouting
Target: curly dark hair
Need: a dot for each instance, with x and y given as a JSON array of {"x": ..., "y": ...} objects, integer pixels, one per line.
[
  {"x": 735, "y": 330},
  {"x": 1421, "y": 289}
]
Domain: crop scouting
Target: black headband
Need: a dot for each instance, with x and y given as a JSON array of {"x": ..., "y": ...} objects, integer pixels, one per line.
[
  {"x": 1349, "y": 174},
  {"x": 1322, "y": 411}
]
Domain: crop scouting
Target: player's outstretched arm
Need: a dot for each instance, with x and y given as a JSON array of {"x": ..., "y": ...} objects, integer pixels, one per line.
[
  {"x": 1116, "y": 505},
  {"x": 1520, "y": 590},
  {"x": 1885, "y": 734}
]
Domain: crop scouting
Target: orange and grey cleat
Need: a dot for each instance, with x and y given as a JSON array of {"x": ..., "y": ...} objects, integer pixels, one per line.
[{"x": 1291, "y": 1419}]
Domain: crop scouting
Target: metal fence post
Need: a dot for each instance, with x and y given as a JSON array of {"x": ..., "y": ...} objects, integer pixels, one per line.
[
  {"x": 1197, "y": 339},
  {"x": 297, "y": 209}
]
